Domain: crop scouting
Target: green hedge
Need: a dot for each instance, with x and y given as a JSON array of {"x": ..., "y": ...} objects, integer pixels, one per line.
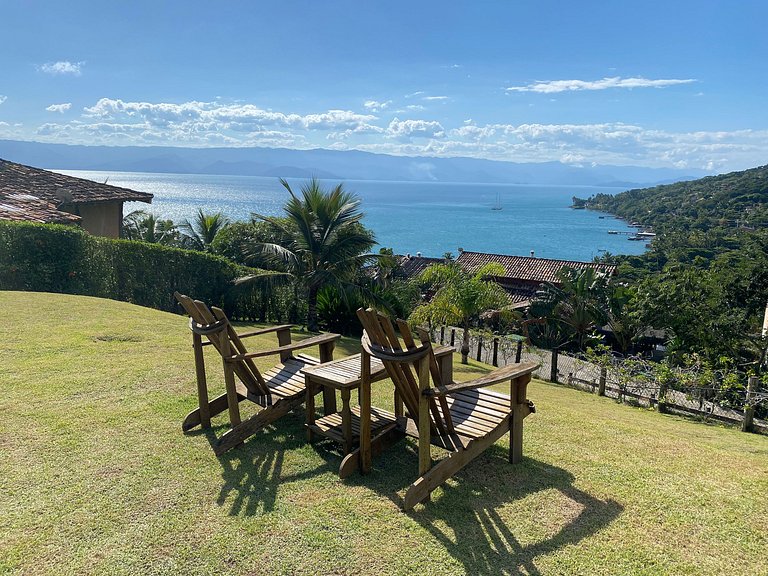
[{"x": 53, "y": 258}]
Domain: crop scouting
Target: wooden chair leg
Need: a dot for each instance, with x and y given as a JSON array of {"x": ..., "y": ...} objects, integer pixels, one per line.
[
  {"x": 202, "y": 385},
  {"x": 519, "y": 409},
  {"x": 516, "y": 436},
  {"x": 447, "y": 467},
  {"x": 425, "y": 445}
]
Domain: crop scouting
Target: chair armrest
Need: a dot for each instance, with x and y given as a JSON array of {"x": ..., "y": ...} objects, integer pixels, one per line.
[
  {"x": 246, "y": 334},
  {"x": 265, "y": 330},
  {"x": 306, "y": 343},
  {"x": 501, "y": 375}
]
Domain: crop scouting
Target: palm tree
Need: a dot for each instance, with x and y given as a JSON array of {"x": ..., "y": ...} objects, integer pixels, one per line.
[
  {"x": 622, "y": 319},
  {"x": 146, "y": 227},
  {"x": 321, "y": 242},
  {"x": 460, "y": 297},
  {"x": 200, "y": 233},
  {"x": 577, "y": 304}
]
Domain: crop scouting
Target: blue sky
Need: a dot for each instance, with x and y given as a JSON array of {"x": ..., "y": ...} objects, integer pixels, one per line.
[{"x": 675, "y": 83}]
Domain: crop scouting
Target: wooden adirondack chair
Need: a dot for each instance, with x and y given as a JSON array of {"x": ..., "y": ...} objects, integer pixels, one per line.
[
  {"x": 277, "y": 391},
  {"x": 462, "y": 417}
]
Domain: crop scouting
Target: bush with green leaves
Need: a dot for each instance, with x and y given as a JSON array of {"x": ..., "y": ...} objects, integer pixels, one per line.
[{"x": 54, "y": 258}]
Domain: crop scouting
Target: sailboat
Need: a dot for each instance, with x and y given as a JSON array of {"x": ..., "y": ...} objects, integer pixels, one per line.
[{"x": 497, "y": 206}]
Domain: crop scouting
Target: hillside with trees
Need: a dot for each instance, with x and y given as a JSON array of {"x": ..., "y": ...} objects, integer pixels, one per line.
[
  {"x": 705, "y": 277},
  {"x": 734, "y": 200}
]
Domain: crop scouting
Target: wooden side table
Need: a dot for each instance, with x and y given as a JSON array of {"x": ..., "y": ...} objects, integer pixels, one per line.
[
  {"x": 343, "y": 375},
  {"x": 355, "y": 425}
]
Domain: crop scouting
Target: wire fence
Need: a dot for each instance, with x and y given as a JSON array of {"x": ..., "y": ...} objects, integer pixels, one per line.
[{"x": 717, "y": 396}]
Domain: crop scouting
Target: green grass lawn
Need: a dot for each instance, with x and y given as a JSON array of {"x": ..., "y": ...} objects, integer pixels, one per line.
[{"x": 96, "y": 476}]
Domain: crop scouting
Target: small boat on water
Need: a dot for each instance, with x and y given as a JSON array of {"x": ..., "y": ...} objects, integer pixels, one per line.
[
  {"x": 497, "y": 206},
  {"x": 613, "y": 231}
]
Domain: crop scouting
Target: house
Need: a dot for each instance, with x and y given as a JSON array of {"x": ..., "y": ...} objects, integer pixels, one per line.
[
  {"x": 411, "y": 266},
  {"x": 36, "y": 195},
  {"x": 525, "y": 275}
]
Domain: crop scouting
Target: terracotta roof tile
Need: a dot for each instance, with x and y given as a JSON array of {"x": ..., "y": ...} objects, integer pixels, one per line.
[
  {"x": 34, "y": 210},
  {"x": 412, "y": 266},
  {"x": 527, "y": 268},
  {"x": 33, "y": 194}
]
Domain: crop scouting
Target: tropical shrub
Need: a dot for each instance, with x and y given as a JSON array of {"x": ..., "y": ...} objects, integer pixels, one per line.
[{"x": 54, "y": 258}]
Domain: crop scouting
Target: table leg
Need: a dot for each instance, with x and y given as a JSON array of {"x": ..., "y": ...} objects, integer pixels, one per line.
[
  {"x": 329, "y": 401},
  {"x": 365, "y": 414},
  {"x": 346, "y": 420},
  {"x": 309, "y": 406}
]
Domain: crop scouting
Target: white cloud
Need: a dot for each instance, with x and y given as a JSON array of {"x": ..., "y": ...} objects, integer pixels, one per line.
[
  {"x": 407, "y": 129},
  {"x": 552, "y": 86},
  {"x": 205, "y": 124},
  {"x": 3, "y": 98},
  {"x": 376, "y": 106},
  {"x": 61, "y": 108},
  {"x": 573, "y": 159},
  {"x": 429, "y": 98},
  {"x": 414, "y": 94},
  {"x": 62, "y": 68},
  {"x": 241, "y": 117},
  {"x": 582, "y": 144}
]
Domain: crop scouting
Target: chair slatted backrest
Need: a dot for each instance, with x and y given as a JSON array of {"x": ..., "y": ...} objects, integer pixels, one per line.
[
  {"x": 200, "y": 318},
  {"x": 404, "y": 375}
]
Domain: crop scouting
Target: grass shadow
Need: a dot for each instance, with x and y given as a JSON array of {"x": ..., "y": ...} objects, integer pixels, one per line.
[
  {"x": 465, "y": 517},
  {"x": 253, "y": 472}
]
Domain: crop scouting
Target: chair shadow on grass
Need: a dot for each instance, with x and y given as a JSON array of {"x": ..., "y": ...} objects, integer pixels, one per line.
[
  {"x": 252, "y": 473},
  {"x": 465, "y": 515}
]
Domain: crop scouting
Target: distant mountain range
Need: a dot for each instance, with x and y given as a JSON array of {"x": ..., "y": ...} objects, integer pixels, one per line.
[{"x": 330, "y": 164}]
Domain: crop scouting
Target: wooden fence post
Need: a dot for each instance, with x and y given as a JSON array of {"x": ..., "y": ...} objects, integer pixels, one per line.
[
  {"x": 553, "y": 368},
  {"x": 479, "y": 347},
  {"x": 495, "y": 351},
  {"x": 453, "y": 337},
  {"x": 603, "y": 378},
  {"x": 519, "y": 353},
  {"x": 442, "y": 334},
  {"x": 749, "y": 410}
]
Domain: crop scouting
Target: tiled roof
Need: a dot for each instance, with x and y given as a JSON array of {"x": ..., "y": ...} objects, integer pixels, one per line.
[
  {"x": 527, "y": 268},
  {"x": 23, "y": 207},
  {"x": 412, "y": 266},
  {"x": 32, "y": 194}
]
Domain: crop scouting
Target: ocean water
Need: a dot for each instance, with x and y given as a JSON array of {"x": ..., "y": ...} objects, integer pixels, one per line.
[{"x": 410, "y": 217}]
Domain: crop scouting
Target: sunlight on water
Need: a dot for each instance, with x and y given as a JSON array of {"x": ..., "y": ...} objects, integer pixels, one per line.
[{"x": 427, "y": 217}]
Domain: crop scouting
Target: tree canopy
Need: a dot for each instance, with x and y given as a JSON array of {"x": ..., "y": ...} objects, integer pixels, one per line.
[{"x": 320, "y": 242}]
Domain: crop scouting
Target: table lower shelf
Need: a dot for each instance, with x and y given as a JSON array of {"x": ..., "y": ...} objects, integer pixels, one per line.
[{"x": 331, "y": 426}]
